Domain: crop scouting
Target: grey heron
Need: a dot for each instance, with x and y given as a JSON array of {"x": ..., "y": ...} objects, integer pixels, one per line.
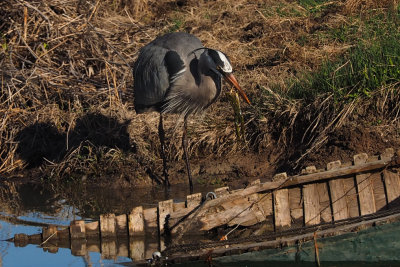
[{"x": 175, "y": 73}]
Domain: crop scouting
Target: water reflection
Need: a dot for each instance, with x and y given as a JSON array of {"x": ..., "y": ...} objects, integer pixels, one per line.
[{"x": 27, "y": 208}]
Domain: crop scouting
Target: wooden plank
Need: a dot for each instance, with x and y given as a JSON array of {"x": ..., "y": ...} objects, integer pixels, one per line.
[
  {"x": 222, "y": 191},
  {"x": 332, "y": 173},
  {"x": 351, "y": 196},
  {"x": 343, "y": 193},
  {"x": 150, "y": 219},
  {"x": 179, "y": 205},
  {"x": 296, "y": 207},
  {"x": 364, "y": 185},
  {"x": 21, "y": 240},
  {"x": 308, "y": 170},
  {"x": 230, "y": 213},
  {"x": 136, "y": 222},
  {"x": 137, "y": 248},
  {"x": 391, "y": 178},
  {"x": 107, "y": 225},
  {"x": 165, "y": 208},
  {"x": 339, "y": 203},
  {"x": 266, "y": 207},
  {"x": 324, "y": 202},
  {"x": 92, "y": 229},
  {"x": 193, "y": 200},
  {"x": 122, "y": 249},
  {"x": 108, "y": 249},
  {"x": 251, "y": 215},
  {"x": 311, "y": 205},
  {"x": 49, "y": 232},
  {"x": 93, "y": 245},
  {"x": 282, "y": 209},
  {"x": 379, "y": 191},
  {"x": 63, "y": 234},
  {"x": 392, "y": 184},
  {"x": 77, "y": 229},
  {"x": 78, "y": 247},
  {"x": 280, "y": 177},
  {"x": 121, "y": 223}
]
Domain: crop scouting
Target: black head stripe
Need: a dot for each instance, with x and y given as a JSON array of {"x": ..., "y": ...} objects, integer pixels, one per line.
[
  {"x": 221, "y": 60},
  {"x": 214, "y": 55}
]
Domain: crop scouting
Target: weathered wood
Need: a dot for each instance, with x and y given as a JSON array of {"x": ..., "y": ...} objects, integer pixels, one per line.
[
  {"x": 229, "y": 213},
  {"x": 151, "y": 246},
  {"x": 150, "y": 220},
  {"x": 324, "y": 202},
  {"x": 165, "y": 208},
  {"x": 122, "y": 249},
  {"x": 78, "y": 247},
  {"x": 301, "y": 179},
  {"x": 343, "y": 192},
  {"x": 379, "y": 191},
  {"x": 137, "y": 248},
  {"x": 50, "y": 232},
  {"x": 193, "y": 200},
  {"x": 179, "y": 205},
  {"x": 280, "y": 177},
  {"x": 222, "y": 191},
  {"x": 93, "y": 245},
  {"x": 21, "y": 240},
  {"x": 364, "y": 185},
  {"x": 92, "y": 229},
  {"x": 108, "y": 249},
  {"x": 136, "y": 222},
  {"x": 308, "y": 170},
  {"x": 252, "y": 215},
  {"x": 338, "y": 172},
  {"x": 392, "y": 184},
  {"x": 281, "y": 208},
  {"x": 311, "y": 205},
  {"x": 350, "y": 190},
  {"x": 266, "y": 207},
  {"x": 63, "y": 234},
  {"x": 77, "y": 229},
  {"x": 107, "y": 225},
  {"x": 339, "y": 203},
  {"x": 391, "y": 178},
  {"x": 296, "y": 206},
  {"x": 121, "y": 224}
]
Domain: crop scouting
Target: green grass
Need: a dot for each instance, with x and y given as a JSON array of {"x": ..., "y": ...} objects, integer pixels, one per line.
[{"x": 372, "y": 62}]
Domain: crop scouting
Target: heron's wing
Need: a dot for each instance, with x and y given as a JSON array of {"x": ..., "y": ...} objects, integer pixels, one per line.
[
  {"x": 175, "y": 66},
  {"x": 151, "y": 79}
]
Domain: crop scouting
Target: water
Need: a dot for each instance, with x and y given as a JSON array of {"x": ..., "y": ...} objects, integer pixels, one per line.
[{"x": 27, "y": 208}]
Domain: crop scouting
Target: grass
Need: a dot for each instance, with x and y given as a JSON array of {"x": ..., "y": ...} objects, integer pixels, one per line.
[{"x": 372, "y": 62}]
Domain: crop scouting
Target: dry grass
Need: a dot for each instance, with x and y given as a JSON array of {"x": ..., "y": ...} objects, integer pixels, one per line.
[{"x": 66, "y": 77}]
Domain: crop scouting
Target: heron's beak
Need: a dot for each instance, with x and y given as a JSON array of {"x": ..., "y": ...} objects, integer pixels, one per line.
[{"x": 232, "y": 80}]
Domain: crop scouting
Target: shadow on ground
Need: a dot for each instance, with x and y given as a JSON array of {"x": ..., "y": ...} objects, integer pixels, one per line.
[{"x": 41, "y": 141}]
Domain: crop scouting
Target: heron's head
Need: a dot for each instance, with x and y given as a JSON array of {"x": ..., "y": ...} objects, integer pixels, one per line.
[{"x": 223, "y": 68}]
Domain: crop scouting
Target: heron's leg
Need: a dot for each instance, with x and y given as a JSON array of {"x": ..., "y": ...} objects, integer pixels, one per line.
[
  {"x": 184, "y": 144},
  {"x": 161, "y": 134}
]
